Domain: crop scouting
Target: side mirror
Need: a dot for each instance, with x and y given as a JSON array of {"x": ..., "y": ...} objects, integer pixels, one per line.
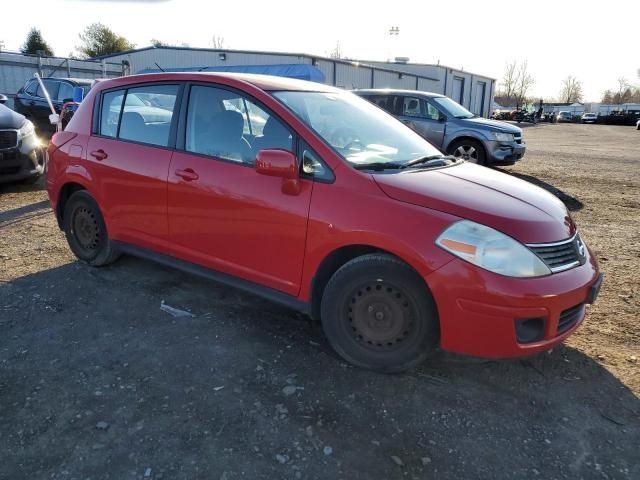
[
  {"x": 280, "y": 163},
  {"x": 3, "y": 99},
  {"x": 442, "y": 119}
]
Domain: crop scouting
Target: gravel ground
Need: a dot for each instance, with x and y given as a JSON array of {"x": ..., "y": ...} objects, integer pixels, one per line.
[{"x": 96, "y": 382}]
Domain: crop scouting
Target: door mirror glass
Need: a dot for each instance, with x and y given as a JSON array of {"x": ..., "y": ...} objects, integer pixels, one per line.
[{"x": 3, "y": 99}]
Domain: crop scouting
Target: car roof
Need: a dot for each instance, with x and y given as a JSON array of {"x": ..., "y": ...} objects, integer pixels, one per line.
[
  {"x": 264, "y": 82},
  {"x": 79, "y": 81},
  {"x": 393, "y": 91}
]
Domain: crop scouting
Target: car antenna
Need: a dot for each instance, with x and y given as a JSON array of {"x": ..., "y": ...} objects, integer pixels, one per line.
[{"x": 160, "y": 67}]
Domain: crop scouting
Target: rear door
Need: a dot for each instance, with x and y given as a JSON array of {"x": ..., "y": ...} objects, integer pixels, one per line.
[
  {"x": 424, "y": 118},
  {"x": 129, "y": 155},
  {"x": 222, "y": 213}
]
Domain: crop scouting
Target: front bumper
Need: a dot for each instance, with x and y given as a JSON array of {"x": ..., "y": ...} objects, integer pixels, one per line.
[
  {"x": 24, "y": 161},
  {"x": 15, "y": 165},
  {"x": 479, "y": 310},
  {"x": 504, "y": 153}
]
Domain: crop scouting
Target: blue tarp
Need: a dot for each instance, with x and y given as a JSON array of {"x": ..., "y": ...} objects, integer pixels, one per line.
[{"x": 300, "y": 71}]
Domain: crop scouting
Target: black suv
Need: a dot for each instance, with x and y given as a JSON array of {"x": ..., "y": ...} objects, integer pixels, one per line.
[{"x": 31, "y": 102}]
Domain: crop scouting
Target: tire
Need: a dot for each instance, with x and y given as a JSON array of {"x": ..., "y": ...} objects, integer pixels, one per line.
[
  {"x": 353, "y": 309},
  {"x": 86, "y": 231},
  {"x": 470, "y": 150}
]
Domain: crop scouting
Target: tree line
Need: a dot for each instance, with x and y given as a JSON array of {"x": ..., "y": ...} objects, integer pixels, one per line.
[{"x": 516, "y": 83}]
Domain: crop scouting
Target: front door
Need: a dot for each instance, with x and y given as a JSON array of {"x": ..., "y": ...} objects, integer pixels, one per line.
[{"x": 222, "y": 213}]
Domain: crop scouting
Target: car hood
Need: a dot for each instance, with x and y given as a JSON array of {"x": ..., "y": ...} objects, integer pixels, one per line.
[
  {"x": 494, "y": 124},
  {"x": 508, "y": 204},
  {"x": 10, "y": 119}
]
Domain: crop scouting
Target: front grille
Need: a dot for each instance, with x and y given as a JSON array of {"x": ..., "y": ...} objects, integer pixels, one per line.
[
  {"x": 561, "y": 255},
  {"x": 569, "y": 317},
  {"x": 8, "y": 139}
]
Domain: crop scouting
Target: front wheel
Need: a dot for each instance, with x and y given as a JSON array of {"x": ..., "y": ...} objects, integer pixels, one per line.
[
  {"x": 377, "y": 313},
  {"x": 86, "y": 231},
  {"x": 468, "y": 149}
]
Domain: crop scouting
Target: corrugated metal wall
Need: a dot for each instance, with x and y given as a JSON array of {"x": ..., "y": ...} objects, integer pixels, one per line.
[
  {"x": 16, "y": 69},
  {"x": 345, "y": 74}
]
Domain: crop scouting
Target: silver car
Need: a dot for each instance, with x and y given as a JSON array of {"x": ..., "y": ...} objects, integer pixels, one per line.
[{"x": 451, "y": 127}]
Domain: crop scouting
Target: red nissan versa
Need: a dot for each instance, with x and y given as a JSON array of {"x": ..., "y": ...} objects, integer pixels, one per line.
[{"x": 315, "y": 198}]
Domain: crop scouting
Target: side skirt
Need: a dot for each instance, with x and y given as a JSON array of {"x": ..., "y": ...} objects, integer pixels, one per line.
[{"x": 226, "y": 279}]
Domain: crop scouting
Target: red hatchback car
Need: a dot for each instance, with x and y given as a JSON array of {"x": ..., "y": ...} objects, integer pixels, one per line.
[{"x": 315, "y": 198}]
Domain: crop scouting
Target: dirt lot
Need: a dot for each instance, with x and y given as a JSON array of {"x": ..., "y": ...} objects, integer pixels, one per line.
[{"x": 97, "y": 382}]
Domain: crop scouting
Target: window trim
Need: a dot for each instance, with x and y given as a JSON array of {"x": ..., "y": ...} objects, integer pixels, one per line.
[
  {"x": 177, "y": 108},
  {"x": 181, "y": 133}
]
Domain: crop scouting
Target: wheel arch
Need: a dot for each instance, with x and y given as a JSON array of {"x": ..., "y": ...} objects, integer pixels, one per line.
[
  {"x": 336, "y": 259},
  {"x": 65, "y": 193}
]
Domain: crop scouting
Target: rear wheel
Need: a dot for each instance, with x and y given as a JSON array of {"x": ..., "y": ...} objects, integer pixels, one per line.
[
  {"x": 86, "y": 232},
  {"x": 468, "y": 149},
  {"x": 377, "y": 313}
]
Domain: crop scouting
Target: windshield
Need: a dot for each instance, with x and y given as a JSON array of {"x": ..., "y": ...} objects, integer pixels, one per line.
[
  {"x": 452, "y": 108},
  {"x": 359, "y": 131}
]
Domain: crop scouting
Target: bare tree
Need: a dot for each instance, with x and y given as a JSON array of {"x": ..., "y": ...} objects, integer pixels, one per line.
[
  {"x": 624, "y": 92},
  {"x": 509, "y": 80},
  {"x": 337, "y": 51},
  {"x": 523, "y": 84},
  {"x": 515, "y": 85},
  {"x": 217, "y": 41},
  {"x": 571, "y": 91}
]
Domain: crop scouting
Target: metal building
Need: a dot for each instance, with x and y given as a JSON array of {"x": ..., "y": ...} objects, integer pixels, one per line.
[
  {"x": 473, "y": 91},
  {"x": 16, "y": 69}
]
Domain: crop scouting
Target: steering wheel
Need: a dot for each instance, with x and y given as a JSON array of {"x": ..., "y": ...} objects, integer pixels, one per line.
[{"x": 348, "y": 136}]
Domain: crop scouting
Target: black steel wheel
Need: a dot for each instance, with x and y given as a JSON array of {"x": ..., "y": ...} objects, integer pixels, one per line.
[
  {"x": 377, "y": 313},
  {"x": 86, "y": 232}
]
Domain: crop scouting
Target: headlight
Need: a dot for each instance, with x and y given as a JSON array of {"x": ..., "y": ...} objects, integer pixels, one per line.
[
  {"x": 489, "y": 249},
  {"x": 501, "y": 137},
  {"x": 26, "y": 130}
]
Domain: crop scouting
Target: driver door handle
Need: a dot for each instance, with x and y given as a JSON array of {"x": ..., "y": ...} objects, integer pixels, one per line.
[
  {"x": 187, "y": 174},
  {"x": 99, "y": 154}
]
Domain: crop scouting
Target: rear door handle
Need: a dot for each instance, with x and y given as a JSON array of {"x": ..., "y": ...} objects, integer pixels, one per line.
[
  {"x": 187, "y": 174},
  {"x": 99, "y": 155}
]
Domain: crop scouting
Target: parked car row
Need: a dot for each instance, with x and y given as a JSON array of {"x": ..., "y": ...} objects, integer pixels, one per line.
[{"x": 315, "y": 198}]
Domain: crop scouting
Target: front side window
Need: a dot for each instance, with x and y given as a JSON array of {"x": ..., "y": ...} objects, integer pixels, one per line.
[
  {"x": 52, "y": 88},
  {"x": 359, "y": 131},
  {"x": 432, "y": 112},
  {"x": 224, "y": 124},
  {"x": 147, "y": 114},
  {"x": 65, "y": 91}
]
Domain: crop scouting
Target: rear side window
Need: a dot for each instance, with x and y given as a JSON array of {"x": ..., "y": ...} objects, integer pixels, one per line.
[
  {"x": 140, "y": 114},
  {"x": 147, "y": 114},
  {"x": 228, "y": 125},
  {"x": 110, "y": 113}
]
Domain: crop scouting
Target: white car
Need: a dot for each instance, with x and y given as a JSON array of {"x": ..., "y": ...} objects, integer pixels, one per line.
[{"x": 589, "y": 118}]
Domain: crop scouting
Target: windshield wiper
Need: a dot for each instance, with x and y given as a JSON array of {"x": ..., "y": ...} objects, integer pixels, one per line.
[
  {"x": 379, "y": 166},
  {"x": 431, "y": 161}
]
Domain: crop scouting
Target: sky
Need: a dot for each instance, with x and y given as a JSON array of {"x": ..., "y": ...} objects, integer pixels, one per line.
[{"x": 591, "y": 40}]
